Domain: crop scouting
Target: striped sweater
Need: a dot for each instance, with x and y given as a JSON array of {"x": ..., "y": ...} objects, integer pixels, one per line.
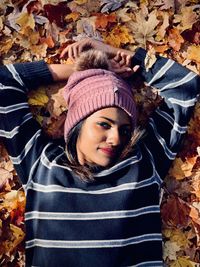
[{"x": 115, "y": 220}]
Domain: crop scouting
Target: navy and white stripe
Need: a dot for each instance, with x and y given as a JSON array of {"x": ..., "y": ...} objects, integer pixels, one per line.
[{"x": 115, "y": 220}]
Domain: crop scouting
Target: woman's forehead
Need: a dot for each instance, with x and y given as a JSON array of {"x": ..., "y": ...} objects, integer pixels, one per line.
[{"x": 115, "y": 114}]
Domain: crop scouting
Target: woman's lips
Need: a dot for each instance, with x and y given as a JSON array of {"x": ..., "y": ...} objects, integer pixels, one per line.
[{"x": 108, "y": 151}]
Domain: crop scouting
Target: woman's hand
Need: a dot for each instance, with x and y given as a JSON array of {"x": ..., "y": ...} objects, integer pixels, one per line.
[
  {"x": 73, "y": 51},
  {"x": 121, "y": 64}
]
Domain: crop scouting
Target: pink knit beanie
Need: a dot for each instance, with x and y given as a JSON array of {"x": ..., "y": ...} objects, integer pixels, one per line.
[{"x": 90, "y": 90}]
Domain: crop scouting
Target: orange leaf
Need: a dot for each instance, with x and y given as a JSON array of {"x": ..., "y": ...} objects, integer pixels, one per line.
[
  {"x": 103, "y": 20},
  {"x": 48, "y": 40},
  {"x": 118, "y": 36},
  {"x": 175, "y": 39},
  {"x": 194, "y": 52}
]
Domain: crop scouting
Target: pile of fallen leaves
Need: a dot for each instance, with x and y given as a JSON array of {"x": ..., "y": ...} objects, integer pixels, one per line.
[{"x": 40, "y": 29}]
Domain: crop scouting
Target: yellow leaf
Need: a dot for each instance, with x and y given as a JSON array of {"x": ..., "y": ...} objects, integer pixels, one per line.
[
  {"x": 38, "y": 98},
  {"x": 194, "y": 53},
  {"x": 25, "y": 21},
  {"x": 118, "y": 36},
  {"x": 178, "y": 236},
  {"x": 80, "y": 2},
  {"x": 183, "y": 262},
  {"x": 73, "y": 16},
  {"x": 6, "y": 45}
]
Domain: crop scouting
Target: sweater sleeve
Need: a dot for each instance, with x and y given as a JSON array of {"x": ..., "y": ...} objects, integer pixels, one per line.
[
  {"x": 179, "y": 88},
  {"x": 20, "y": 133}
]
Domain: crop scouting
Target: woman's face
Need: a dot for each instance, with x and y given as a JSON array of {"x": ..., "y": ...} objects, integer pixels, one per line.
[{"x": 103, "y": 136}]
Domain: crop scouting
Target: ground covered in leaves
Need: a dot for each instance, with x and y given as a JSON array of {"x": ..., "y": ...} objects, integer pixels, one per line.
[{"x": 40, "y": 29}]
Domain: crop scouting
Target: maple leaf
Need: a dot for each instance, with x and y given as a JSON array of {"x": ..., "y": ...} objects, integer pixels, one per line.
[
  {"x": 175, "y": 212},
  {"x": 182, "y": 169},
  {"x": 57, "y": 13},
  {"x": 4, "y": 176},
  {"x": 38, "y": 97},
  {"x": 183, "y": 262},
  {"x": 175, "y": 39},
  {"x": 170, "y": 249},
  {"x": 48, "y": 40},
  {"x": 102, "y": 20},
  {"x": 162, "y": 29},
  {"x": 123, "y": 15},
  {"x": 178, "y": 236},
  {"x": 194, "y": 53},
  {"x": 25, "y": 20},
  {"x": 186, "y": 18},
  {"x": 165, "y": 4},
  {"x": 144, "y": 29},
  {"x": 111, "y": 5},
  {"x": 118, "y": 36}
]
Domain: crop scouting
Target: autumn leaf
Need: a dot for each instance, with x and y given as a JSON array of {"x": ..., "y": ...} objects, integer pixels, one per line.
[
  {"x": 194, "y": 53},
  {"x": 175, "y": 212},
  {"x": 182, "y": 169},
  {"x": 144, "y": 29},
  {"x": 170, "y": 250},
  {"x": 183, "y": 262},
  {"x": 48, "y": 41},
  {"x": 118, "y": 36},
  {"x": 103, "y": 20},
  {"x": 26, "y": 21},
  {"x": 57, "y": 13},
  {"x": 38, "y": 98},
  {"x": 175, "y": 39}
]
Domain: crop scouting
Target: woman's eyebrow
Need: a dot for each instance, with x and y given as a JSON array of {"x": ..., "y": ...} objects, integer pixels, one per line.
[{"x": 112, "y": 121}]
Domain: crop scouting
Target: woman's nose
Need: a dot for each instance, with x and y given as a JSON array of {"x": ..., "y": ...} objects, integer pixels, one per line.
[{"x": 113, "y": 137}]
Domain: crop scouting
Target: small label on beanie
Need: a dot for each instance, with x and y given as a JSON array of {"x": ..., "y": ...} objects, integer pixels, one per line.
[{"x": 115, "y": 89}]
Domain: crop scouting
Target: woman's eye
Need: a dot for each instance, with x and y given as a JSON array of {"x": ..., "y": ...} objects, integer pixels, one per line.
[{"x": 104, "y": 125}]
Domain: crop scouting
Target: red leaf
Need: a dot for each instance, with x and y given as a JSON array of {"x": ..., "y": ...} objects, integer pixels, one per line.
[
  {"x": 57, "y": 13},
  {"x": 193, "y": 35}
]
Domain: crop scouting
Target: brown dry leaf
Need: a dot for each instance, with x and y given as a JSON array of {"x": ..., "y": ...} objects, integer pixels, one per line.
[
  {"x": 195, "y": 183},
  {"x": 175, "y": 39},
  {"x": 4, "y": 176},
  {"x": 123, "y": 15},
  {"x": 150, "y": 58},
  {"x": 144, "y": 29},
  {"x": 182, "y": 169},
  {"x": 186, "y": 18},
  {"x": 175, "y": 212},
  {"x": 162, "y": 29}
]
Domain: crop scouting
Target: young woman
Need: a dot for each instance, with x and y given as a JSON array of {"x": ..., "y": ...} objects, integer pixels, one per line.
[{"x": 90, "y": 203}]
